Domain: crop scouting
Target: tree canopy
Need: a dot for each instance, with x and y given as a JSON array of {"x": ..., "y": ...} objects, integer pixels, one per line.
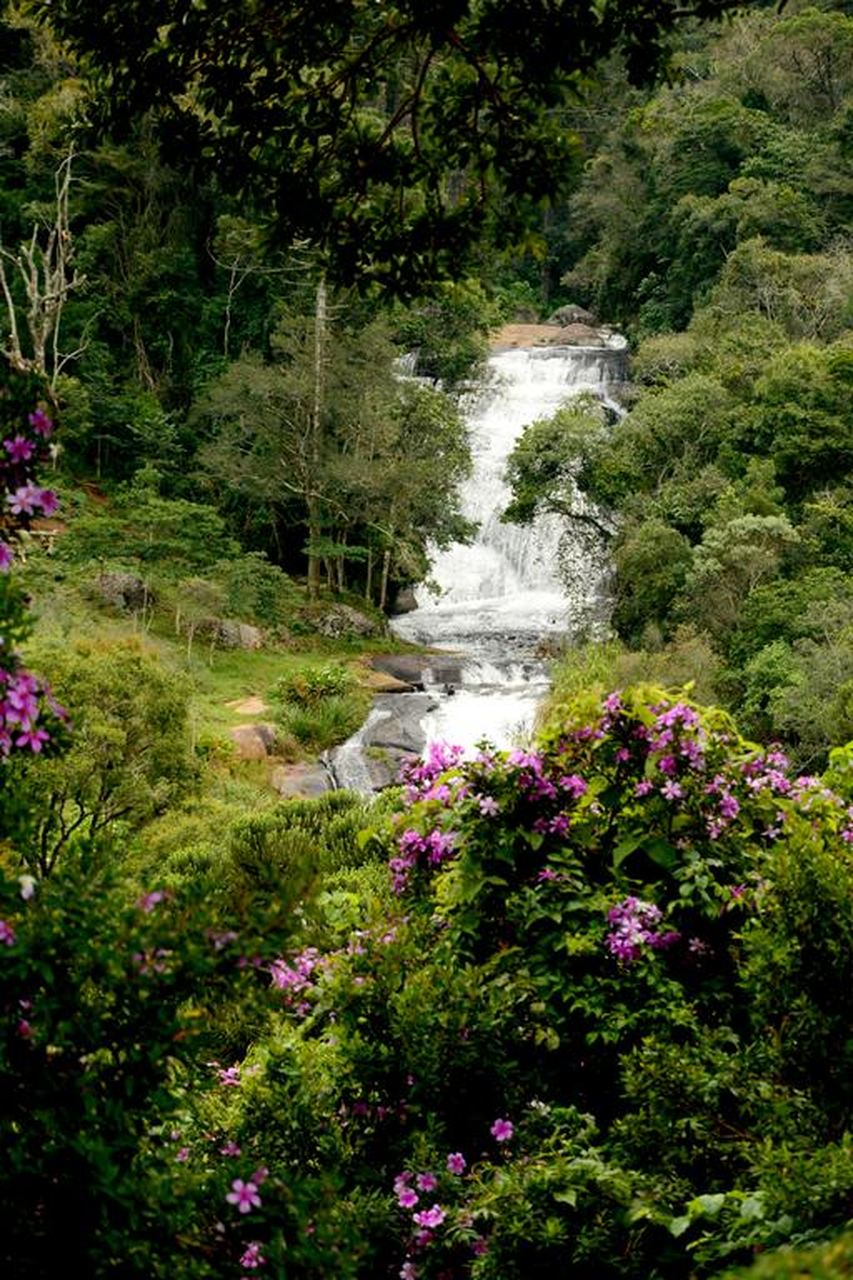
[{"x": 389, "y": 133}]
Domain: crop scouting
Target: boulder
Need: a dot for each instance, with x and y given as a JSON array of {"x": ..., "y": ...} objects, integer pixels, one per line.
[
  {"x": 342, "y": 620},
  {"x": 123, "y": 590},
  {"x": 230, "y": 634},
  {"x": 308, "y": 780},
  {"x": 253, "y": 741},
  {"x": 406, "y": 667},
  {"x": 572, "y": 314},
  {"x": 380, "y": 682},
  {"x": 406, "y": 602}
]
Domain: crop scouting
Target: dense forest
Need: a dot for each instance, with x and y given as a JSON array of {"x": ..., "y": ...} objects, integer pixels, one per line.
[{"x": 579, "y": 1008}]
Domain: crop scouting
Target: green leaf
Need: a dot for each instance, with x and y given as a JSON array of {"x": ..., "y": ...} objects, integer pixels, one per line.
[
  {"x": 569, "y": 1195},
  {"x": 662, "y": 852},
  {"x": 710, "y": 1206},
  {"x": 626, "y": 847},
  {"x": 678, "y": 1226}
]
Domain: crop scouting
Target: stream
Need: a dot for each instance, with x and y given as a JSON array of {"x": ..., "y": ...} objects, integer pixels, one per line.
[{"x": 502, "y": 599}]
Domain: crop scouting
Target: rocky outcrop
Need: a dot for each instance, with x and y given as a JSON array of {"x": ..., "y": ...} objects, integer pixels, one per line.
[
  {"x": 572, "y": 314},
  {"x": 253, "y": 741},
  {"x": 301, "y": 780},
  {"x": 123, "y": 590},
  {"x": 405, "y": 602},
  {"x": 342, "y": 620},
  {"x": 230, "y": 634}
]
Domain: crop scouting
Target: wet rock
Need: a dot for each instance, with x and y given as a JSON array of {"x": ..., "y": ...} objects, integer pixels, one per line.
[
  {"x": 343, "y": 620},
  {"x": 301, "y": 780},
  {"x": 406, "y": 602},
  {"x": 123, "y": 590},
  {"x": 406, "y": 667},
  {"x": 381, "y": 682},
  {"x": 253, "y": 741}
]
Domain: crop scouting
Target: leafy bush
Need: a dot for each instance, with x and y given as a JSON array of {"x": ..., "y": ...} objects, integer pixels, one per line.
[{"x": 310, "y": 686}]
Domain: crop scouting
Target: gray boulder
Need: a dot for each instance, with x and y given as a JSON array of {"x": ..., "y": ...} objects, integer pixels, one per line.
[
  {"x": 236, "y": 635},
  {"x": 572, "y": 314},
  {"x": 123, "y": 590},
  {"x": 292, "y": 780},
  {"x": 342, "y": 620}
]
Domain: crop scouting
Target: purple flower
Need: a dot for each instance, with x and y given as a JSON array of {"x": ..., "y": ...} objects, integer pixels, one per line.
[
  {"x": 182, "y": 1155},
  {"x": 7, "y": 555},
  {"x": 430, "y": 1217},
  {"x": 502, "y": 1130},
  {"x": 408, "y": 1271},
  {"x": 149, "y": 901},
  {"x": 252, "y": 1257},
  {"x": 574, "y": 785},
  {"x": 230, "y": 1149},
  {"x": 407, "y": 1197},
  {"x": 47, "y": 500},
  {"x": 7, "y": 933},
  {"x": 426, "y": 1182},
  {"x": 671, "y": 791},
  {"x": 24, "y": 500},
  {"x": 456, "y": 1162},
  {"x": 19, "y": 449},
  {"x": 244, "y": 1195},
  {"x": 41, "y": 423},
  {"x": 488, "y": 806},
  {"x": 644, "y": 788}
]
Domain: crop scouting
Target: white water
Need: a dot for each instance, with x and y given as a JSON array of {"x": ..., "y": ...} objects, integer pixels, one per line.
[
  {"x": 505, "y": 588},
  {"x": 513, "y": 586}
]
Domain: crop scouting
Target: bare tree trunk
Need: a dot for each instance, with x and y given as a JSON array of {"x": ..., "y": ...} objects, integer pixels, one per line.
[
  {"x": 314, "y": 448},
  {"x": 368, "y": 586},
  {"x": 386, "y": 568}
]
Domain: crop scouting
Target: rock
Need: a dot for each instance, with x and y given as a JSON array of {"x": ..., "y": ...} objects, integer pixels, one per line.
[
  {"x": 251, "y": 706},
  {"x": 230, "y": 634},
  {"x": 291, "y": 780},
  {"x": 406, "y": 667},
  {"x": 253, "y": 741},
  {"x": 572, "y": 314},
  {"x": 123, "y": 590},
  {"x": 380, "y": 682},
  {"x": 406, "y": 602},
  {"x": 343, "y": 620}
]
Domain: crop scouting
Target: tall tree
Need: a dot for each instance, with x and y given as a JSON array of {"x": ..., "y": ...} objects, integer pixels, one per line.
[{"x": 386, "y": 131}]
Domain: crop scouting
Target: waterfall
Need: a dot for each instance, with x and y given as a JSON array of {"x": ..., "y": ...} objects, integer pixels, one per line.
[
  {"x": 490, "y": 604},
  {"x": 506, "y": 589}
]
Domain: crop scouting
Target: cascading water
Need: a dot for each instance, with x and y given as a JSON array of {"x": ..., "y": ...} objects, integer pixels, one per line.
[
  {"x": 499, "y": 597},
  {"x": 505, "y": 588}
]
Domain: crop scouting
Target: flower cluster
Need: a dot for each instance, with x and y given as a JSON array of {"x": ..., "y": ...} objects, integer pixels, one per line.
[
  {"x": 634, "y": 926},
  {"x": 420, "y": 775},
  {"x": 429, "y": 850},
  {"x": 29, "y": 714},
  {"x": 295, "y": 979}
]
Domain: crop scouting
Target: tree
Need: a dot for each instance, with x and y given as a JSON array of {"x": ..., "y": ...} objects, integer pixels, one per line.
[{"x": 387, "y": 132}]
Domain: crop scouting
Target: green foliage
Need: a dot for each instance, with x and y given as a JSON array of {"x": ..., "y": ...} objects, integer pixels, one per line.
[
  {"x": 310, "y": 686},
  {"x": 128, "y": 758}
]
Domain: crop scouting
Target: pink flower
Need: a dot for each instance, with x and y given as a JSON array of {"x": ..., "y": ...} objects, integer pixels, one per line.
[
  {"x": 230, "y": 1149},
  {"x": 229, "y": 1076},
  {"x": 426, "y": 1181},
  {"x": 407, "y": 1198},
  {"x": 182, "y": 1155},
  {"x": 408, "y": 1271},
  {"x": 430, "y": 1217},
  {"x": 253, "y": 1257},
  {"x": 41, "y": 423},
  {"x": 7, "y": 933},
  {"x": 456, "y": 1162},
  {"x": 244, "y": 1195},
  {"x": 24, "y": 500},
  {"x": 19, "y": 449},
  {"x": 488, "y": 806},
  {"x": 149, "y": 901},
  {"x": 502, "y": 1130}
]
